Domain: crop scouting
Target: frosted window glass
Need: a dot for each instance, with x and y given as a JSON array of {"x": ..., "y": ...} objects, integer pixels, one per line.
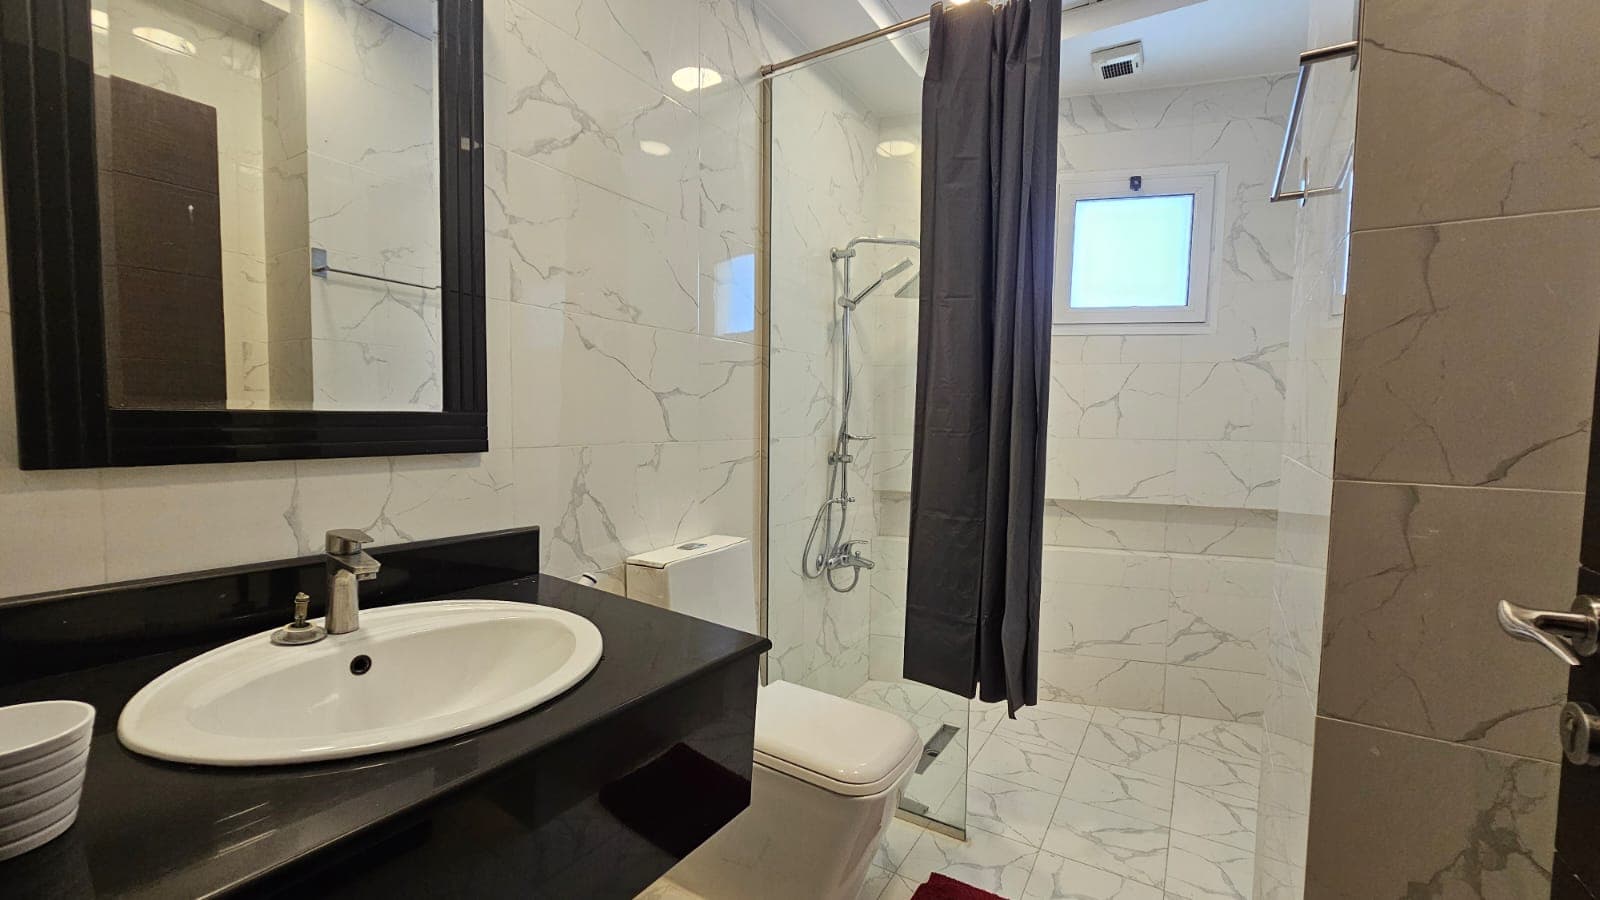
[{"x": 1131, "y": 252}]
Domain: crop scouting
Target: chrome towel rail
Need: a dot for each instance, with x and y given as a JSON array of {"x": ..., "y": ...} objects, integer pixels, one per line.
[
  {"x": 320, "y": 268},
  {"x": 1307, "y": 60}
]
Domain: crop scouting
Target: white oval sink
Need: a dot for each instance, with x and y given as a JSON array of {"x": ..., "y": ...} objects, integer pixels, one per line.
[{"x": 436, "y": 670}]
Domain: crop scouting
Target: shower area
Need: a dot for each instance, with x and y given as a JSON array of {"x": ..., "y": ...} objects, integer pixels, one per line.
[
  {"x": 1194, "y": 364},
  {"x": 845, "y": 182}
]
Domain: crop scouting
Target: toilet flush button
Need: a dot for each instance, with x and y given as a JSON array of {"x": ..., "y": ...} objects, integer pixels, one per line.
[{"x": 692, "y": 545}]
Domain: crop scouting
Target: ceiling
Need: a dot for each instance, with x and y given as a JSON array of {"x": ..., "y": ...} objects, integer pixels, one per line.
[{"x": 1185, "y": 42}]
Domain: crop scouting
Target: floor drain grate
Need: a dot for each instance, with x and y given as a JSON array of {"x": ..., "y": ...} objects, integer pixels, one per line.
[{"x": 935, "y": 746}]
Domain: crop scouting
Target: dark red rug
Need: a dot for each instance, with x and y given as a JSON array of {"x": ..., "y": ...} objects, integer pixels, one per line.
[{"x": 938, "y": 887}]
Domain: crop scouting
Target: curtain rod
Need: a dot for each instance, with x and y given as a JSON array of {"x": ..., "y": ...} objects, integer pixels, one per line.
[{"x": 774, "y": 68}]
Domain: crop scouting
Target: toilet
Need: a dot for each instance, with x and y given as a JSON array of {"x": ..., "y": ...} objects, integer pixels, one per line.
[{"x": 827, "y": 774}]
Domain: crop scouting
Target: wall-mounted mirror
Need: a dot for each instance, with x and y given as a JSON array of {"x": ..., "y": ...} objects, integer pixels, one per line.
[
  {"x": 269, "y": 203},
  {"x": 277, "y": 248}
]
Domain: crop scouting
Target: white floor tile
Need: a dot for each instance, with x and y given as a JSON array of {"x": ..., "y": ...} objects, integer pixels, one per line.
[
  {"x": 1106, "y": 840},
  {"x": 899, "y": 888},
  {"x": 1216, "y": 816},
  {"x": 1129, "y": 792},
  {"x": 877, "y": 881},
  {"x": 984, "y": 860},
  {"x": 1161, "y": 725},
  {"x": 1226, "y": 774},
  {"x": 1038, "y": 766},
  {"x": 1009, "y": 810},
  {"x": 896, "y": 844},
  {"x": 1056, "y": 878},
  {"x": 1130, "y": 749},
  {"x": 1198, "y": 869},
  {"x": 1064, "y": 733},
  {"x": 1237, "y": 739}
]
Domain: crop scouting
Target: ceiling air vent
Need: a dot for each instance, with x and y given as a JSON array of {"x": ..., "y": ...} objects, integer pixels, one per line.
[{"x": 1118, "y": 61}]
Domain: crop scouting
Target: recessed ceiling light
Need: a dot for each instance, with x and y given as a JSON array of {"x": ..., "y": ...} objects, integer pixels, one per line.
[
  {"x": 695, "y": 78},
  {"x": 655, "y": 148},
  {"x": 99, "y": 20},
  {"x": 894, "y": 149},
  {"x": 164, "y": 40}
]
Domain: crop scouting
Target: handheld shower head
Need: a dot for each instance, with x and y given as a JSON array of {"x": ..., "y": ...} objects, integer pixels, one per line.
[{"x": 892, "y": 271}]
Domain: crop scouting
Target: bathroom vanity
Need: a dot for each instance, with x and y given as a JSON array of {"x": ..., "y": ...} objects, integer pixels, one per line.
[{"x": 593, "y": 794}]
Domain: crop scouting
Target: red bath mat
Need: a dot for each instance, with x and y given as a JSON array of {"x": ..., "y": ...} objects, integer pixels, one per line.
[{"x": 938, "y": 887}]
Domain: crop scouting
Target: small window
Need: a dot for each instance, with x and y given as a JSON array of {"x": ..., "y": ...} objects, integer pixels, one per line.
[{"x": 1135, "y": 250}]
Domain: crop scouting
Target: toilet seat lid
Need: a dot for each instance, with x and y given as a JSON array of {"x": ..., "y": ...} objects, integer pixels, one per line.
[{"x": 830, "y": 742}]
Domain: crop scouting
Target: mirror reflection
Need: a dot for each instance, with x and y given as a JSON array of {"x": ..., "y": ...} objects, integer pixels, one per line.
[{"x": 269, "y": 203}]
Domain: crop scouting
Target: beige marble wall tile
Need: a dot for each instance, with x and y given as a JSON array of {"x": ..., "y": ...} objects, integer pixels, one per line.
[
  {"x": 1475, "y": 108},
  {"x": 1469, "y": 353},
  {"x": 1400, "y": 816},
  {"x": 1410, "y": 640}
]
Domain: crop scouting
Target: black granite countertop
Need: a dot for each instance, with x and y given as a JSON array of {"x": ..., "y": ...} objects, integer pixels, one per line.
[{"x": 147, "y": 828}]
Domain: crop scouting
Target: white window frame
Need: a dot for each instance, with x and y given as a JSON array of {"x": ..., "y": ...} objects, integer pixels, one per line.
[{"x": 1207, "y": 184}]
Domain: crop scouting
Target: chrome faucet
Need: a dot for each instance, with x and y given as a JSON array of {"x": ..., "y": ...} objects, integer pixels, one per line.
[
  {"x": 346, "y": 564},
  {"x": 849, "y": 557}
]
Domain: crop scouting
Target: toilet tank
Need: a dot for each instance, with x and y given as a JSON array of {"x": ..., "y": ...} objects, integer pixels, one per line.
[{"x": 711, "y": 578}]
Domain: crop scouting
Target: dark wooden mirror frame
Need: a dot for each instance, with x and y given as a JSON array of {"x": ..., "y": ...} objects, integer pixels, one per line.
[{"x": 47, "y": 150}]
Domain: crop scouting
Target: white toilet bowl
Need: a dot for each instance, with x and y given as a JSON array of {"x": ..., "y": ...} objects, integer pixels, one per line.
[
  {"x": 827, "y": 777},
  {"x": 828, "y": 772}
]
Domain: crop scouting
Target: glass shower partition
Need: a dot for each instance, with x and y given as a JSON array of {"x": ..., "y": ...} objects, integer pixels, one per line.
[{"x": 844, "y": 181}]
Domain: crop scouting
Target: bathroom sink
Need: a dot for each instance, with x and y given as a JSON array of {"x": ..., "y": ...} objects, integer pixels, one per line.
[{"x": 409, "y": 675}]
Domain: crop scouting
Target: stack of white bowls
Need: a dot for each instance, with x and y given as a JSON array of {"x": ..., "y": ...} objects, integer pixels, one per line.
[{"x": 44, "y": 752}]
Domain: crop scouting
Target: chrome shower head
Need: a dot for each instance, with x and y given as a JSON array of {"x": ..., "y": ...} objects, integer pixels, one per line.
[{"x": 892, "y": 271}]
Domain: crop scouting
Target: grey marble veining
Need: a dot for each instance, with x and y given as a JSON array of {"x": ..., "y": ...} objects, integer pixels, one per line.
[
  {"x": 1411, "y": 642},
  {"x": 1455, "y": 821},
  {"x": 1446, "y": 382},
  {"x": 1452, "y": 72}
]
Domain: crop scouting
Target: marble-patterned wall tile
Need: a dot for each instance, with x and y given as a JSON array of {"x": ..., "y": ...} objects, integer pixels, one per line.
[
  {"x": 65, "y": 535},
  {"x": 1126, "y": 400},
  {"x": 730, "y": 189},
  {"x": 726, "y": 501},
  {"x": 1105, "y": 524},
  {"x": 552, "y": 99},
  {"x": 1232, "y": 576},
  {"x": 1098, "y": 681},
  {"x": 1231, "y": 401},
  {"x": 155, "y": 516},
  {"x": 1214, "y": 693},
  {"x": 800, "y": 394},
  {"x": 1111, "y": 469},
  {"x": 1104, "y": 621},
  {"x": 885, "y": 657},
  {"x": 649, "y": 38},
  {"x": 728, "y": 389},
  {"x": 1250, "y": 326},
  {"x": 1228, "y": 474},
  {"x": 1438, "y": 75},
  {"x": 598, "y": 381},
  {"x": 1444, "y": 380},
  {"x": 1411, "y": 642},
  {"x": 557, "y": 241},
  {"x": 1221, "y": 532},
  {"x": 1114, "y": 568},
  {"x": 1218, "y": 631},
  {"x": 1455, "y": 821}
]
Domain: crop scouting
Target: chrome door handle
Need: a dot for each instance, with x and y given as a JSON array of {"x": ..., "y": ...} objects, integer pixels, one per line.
[
  {"x": 1580, "y": 734},
  {"x": 1569, "y": 635}
]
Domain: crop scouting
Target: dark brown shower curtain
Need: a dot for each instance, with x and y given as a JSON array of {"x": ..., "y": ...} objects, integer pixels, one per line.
[{"x": 989, "y": 107}]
